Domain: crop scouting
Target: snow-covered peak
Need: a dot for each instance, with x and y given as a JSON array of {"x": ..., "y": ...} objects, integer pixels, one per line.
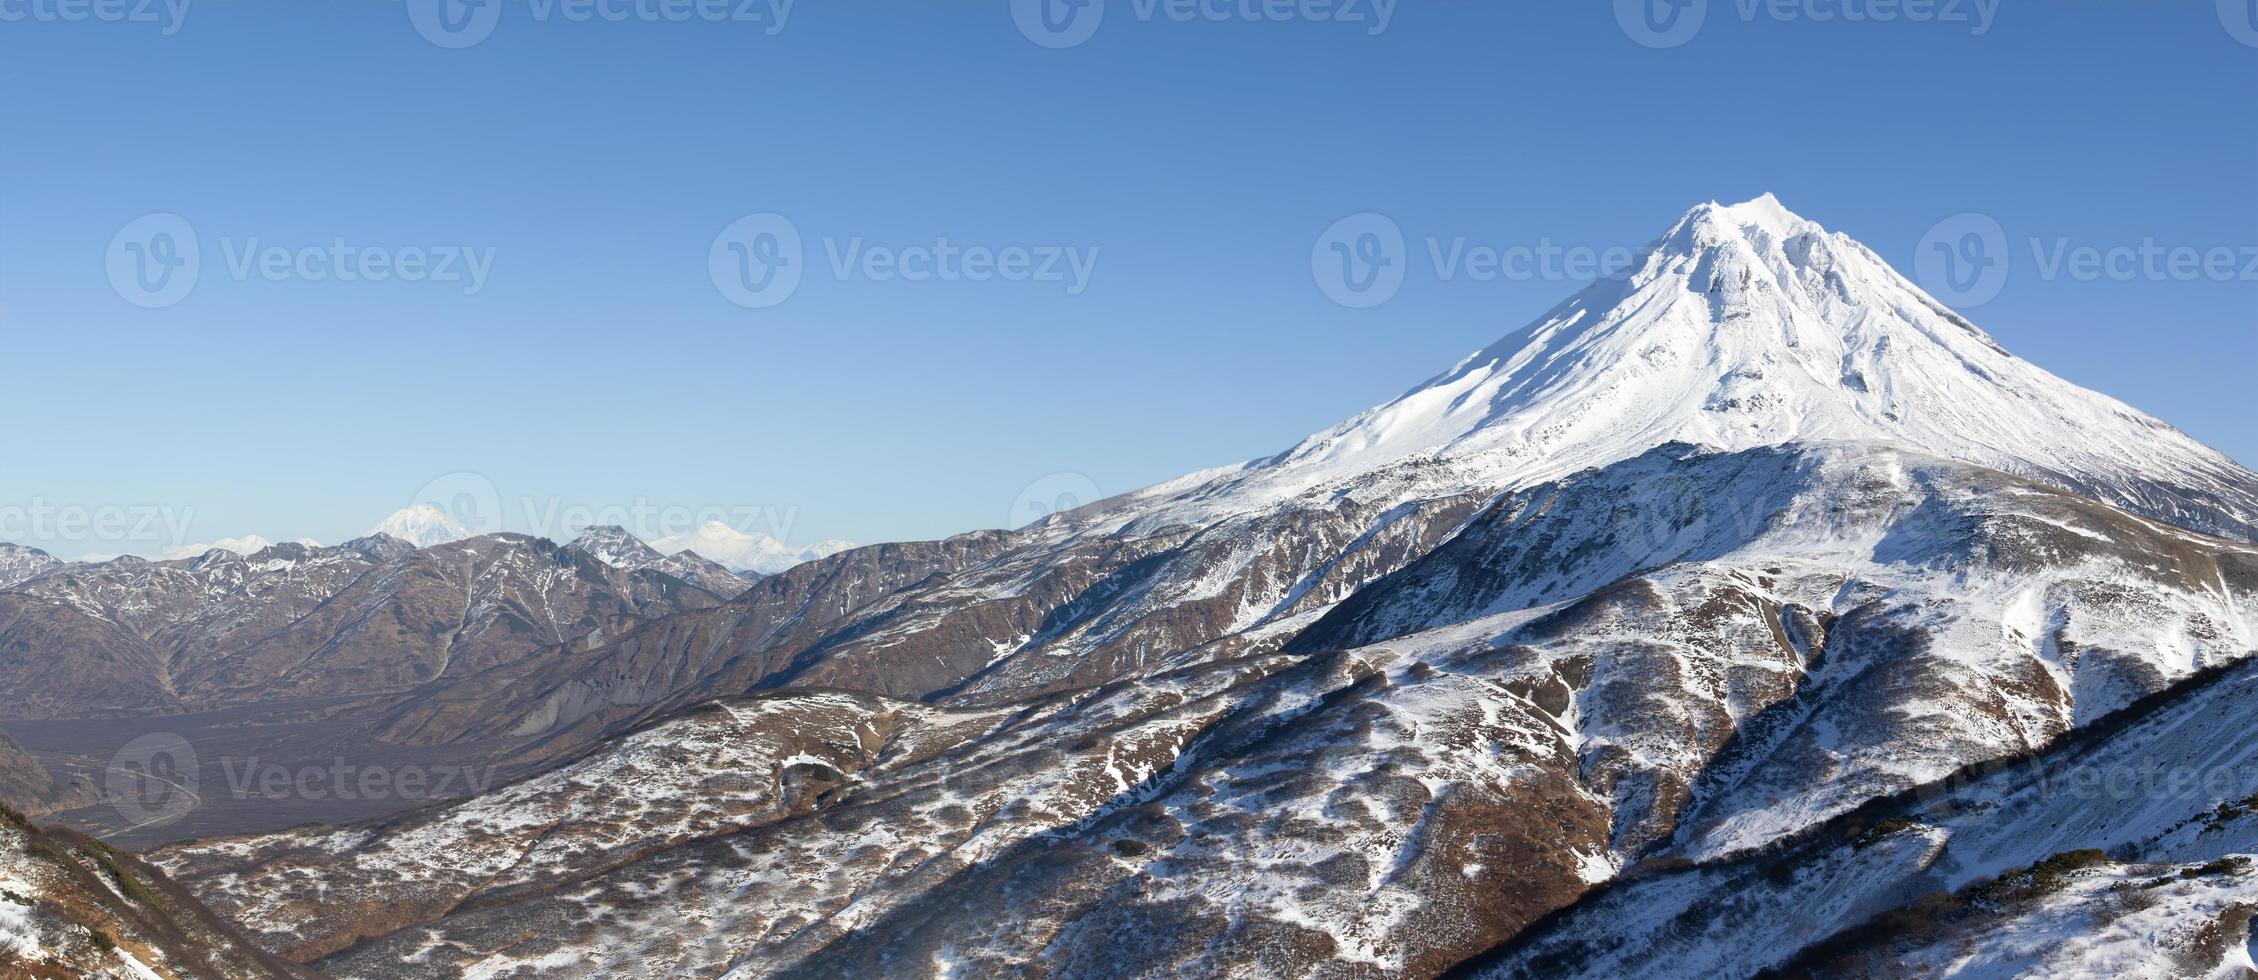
[
  {"x": 746, "y": 551},
  {"x": 1764, "y": 216},
  {"x": 422, "y": 525},
  {"x": 20, "y": 564},
  {"x": 616, "y": 546},
  {"x": 1743, "y": 326}
]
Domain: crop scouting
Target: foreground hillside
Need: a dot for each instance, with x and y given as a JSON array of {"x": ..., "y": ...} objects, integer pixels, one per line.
[
  {"x": 72, "y": 908},
  {"x": 1469, "y": 745}
]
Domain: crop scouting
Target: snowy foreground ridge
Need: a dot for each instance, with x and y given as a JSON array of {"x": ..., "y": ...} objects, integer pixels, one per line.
[{"x": 1749, "y": 612}]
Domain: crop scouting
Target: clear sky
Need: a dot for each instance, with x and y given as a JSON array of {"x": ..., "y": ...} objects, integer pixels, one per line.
[{"x": 596, "y": 157}]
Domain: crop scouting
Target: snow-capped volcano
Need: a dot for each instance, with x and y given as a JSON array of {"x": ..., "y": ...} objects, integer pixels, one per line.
[
  {"x": 422, "y": 525},
  {"x": 746, "y": 551},
  {"x": 1748, "y": 326}
]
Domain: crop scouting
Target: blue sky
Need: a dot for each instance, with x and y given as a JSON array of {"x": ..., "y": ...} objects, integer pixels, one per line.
[{"x": 596, "y": 365}]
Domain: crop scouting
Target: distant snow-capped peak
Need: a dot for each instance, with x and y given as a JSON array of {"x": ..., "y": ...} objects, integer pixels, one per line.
[
  {"x": 249, "y": 544},
  {"x": 423, "y": 525},
  {"x": 746, "y": 551}
]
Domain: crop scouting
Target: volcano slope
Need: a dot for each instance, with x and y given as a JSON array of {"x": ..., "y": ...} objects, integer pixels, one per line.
[{"x": 1644, "y": 674}]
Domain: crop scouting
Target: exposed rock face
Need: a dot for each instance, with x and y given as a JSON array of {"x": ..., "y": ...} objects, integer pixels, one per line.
[
  {"x": 656, "y": 574},
  {"x": 375, "y": 615},
  {"x": 456, "y": 608},
  {"x": 981, "y": 618},
  {"x": 2124, "y": 851},
  {"x": 73, "y": 909}
]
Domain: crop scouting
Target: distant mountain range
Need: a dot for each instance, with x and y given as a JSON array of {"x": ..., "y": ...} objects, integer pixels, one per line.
[
  {"x": 375, "y": 615},
  {"x": 427, "y": 525}
]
